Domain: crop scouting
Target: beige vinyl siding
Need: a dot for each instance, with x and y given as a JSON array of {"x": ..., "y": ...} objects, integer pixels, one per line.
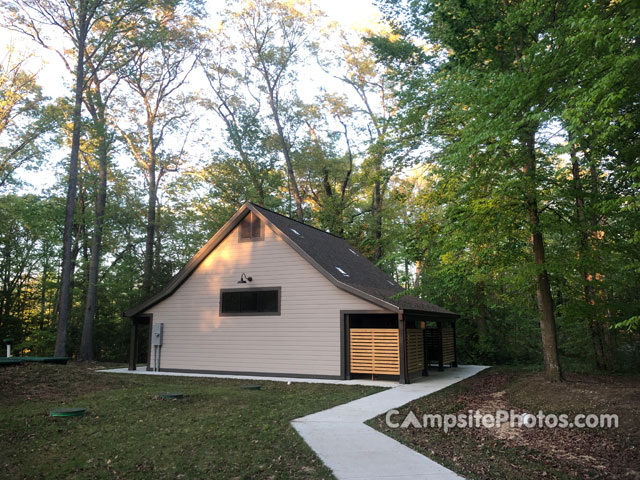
[{"x": 304, "y": 339}]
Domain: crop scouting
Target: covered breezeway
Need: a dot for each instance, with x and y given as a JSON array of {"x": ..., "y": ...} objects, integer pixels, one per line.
[{"x": 401, "y": 345}]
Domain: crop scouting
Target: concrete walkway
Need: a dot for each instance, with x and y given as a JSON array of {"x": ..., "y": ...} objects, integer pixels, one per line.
[{"x": 354, "y": 450}]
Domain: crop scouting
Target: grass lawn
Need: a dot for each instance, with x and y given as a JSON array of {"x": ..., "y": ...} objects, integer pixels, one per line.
[
  {"x": 514, "y": 453},
  {"x": 217, "y": 431}
]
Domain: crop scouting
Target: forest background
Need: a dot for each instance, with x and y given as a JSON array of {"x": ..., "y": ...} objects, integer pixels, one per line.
[{"x": 483, "y": 153}]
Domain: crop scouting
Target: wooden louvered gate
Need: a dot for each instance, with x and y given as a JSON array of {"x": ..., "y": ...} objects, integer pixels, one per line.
[
  {"x": 448, "y": 345},
  {"x": 415, "y": 350},
  {"x": 374, "y": 351},
  {"x": 441, "y": 345}
]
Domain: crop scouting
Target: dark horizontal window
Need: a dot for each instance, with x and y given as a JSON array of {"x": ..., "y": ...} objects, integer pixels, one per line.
[{"x": 255, "y": 301}]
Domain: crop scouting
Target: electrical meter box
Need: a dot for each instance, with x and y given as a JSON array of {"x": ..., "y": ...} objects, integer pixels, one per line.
[{"x": 156, "y": 334}]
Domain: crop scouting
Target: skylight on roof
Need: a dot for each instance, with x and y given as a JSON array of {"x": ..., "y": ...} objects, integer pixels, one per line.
[
  {"x": 296, "y": 232},
  {"x": 353, "y": 251},
  {"x": 390, "y": 282},
  {"x": 344, "y": 274}
]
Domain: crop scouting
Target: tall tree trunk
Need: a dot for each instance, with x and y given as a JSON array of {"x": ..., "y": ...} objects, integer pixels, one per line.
[
  {"x": 604, "y": 335},
  {"x": 6, "y": 283},
  {"x": 86, "y": 343},
  {"x": 483, "y": 312},
  {"x": 151, "y": 214},
  {"x": 588, "y": 291},
  {"x": 67, "y": 240},
  {"x": 347, "y": 177},
  {"x": 287, "y": 157},
  {"x": 84, "y": 239},
  {"x": 376, "y": 210},
  {"x": 548, "y": 330},
  {"x": 246, "y": 160},
  {"x": 418, "y": 280},
  {"x": 157, "y": 246},
  {"x": 607, "y": 338},
  {"x": 43, "y": 292}
]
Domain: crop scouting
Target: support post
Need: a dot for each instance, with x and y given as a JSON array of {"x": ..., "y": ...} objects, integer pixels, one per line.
[
  {"x": 425, "y": 350},
  {"x": 346, "y": 350},
  {"x": 441, "y": 356},
  {"x": 455, "y": 347},
  {"x": 133, "y": 345},
  {"x": 402, "y": 336},
  {"x": 149, "y": 320},
  {"x": 9, "y": 341}
]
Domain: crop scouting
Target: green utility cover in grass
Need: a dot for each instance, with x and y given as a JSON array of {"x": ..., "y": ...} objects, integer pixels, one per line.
[
  {"x": 171, "y": 395},
  {"x": 251, "y": 387},
  {"x": 67, "y": 412}
]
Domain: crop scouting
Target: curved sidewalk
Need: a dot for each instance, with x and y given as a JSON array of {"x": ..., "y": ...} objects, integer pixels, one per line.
[{"x": 354, "y": 450}]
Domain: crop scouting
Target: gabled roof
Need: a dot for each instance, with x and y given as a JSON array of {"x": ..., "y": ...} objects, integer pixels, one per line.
[{"x": 331, "y": 255}]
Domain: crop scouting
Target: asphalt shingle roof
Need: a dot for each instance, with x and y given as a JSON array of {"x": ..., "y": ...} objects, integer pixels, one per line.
[
  {"x": 330, "y": 253},
  {"x": 345, "y": 264}
]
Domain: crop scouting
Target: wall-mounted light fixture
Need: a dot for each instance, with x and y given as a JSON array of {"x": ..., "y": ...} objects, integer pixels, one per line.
[{"x": 244, "y": 278}]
